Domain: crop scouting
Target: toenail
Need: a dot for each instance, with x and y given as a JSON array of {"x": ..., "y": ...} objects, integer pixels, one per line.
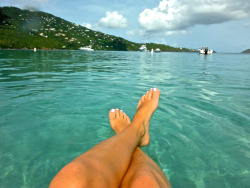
[
  {"x": 112, "y": 110},
  {"x": 154, "y": 89}
]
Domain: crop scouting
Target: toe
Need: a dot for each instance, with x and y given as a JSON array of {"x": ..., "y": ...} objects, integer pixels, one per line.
[
  {"x": 138, "y": 104},
  {"x": 121, "y": 114},
  {"x": 141, "y": 101},
  {"x": 112, "y": 114},
  {"x": 149, "y": 94},
  {"x": 117, "y": 113},
  {"x": 124, "y": 116},
  {"x": 155, "y": 92},
  {"x": 127, "y": 119}
]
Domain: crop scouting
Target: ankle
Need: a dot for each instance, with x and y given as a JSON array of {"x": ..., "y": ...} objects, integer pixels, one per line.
[{"x": 139, "y": 129}]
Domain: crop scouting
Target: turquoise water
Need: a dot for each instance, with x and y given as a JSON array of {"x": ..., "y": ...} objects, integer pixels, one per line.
[{"x": 54, "y": 106}]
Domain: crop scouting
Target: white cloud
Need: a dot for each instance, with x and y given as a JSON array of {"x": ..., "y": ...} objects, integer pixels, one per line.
[
  {"x": 175, "y": 15},
  {"x": 88, "y": 25},
  {"x": 32, "y": 2},
  {"x": 24, "y": 4},
  {"x": 113, "y": 20},
  {"x": 147, "y": 35}
]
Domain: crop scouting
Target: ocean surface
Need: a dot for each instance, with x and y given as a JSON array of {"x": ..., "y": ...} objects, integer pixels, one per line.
[{"x": 54, "y": 106}]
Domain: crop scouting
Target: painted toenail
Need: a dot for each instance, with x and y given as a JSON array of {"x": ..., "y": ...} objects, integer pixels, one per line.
[
  {"x": 112, "y": 110},
  {"x": 154, "y": 89}
]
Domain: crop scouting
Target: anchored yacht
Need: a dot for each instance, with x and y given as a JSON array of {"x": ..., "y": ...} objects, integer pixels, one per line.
[
  {"x": 86, "y": 48},
  {"x": 143, "y": 48},
  {"x": 206, "y": 51}
]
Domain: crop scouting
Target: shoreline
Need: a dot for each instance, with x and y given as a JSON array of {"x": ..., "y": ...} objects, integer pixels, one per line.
[{"x": 92, "y": 51}]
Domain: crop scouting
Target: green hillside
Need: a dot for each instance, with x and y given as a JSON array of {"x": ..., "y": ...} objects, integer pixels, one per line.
[
  {"x": 26, "y": 29},
  {"x": 246, "y": 51}
]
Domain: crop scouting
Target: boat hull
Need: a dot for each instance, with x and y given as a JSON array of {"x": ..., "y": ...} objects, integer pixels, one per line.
[
  {"x": 157, "y": 50},
  {"x": 143, "y": 48},
  {"x": 87, "y": 50},
  {"x": 206, "y": 51}
]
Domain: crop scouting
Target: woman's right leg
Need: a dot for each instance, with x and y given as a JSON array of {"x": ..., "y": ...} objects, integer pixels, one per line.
[
  {"x": 105, "y": 164},
  {"x": 143, "y": 171}
]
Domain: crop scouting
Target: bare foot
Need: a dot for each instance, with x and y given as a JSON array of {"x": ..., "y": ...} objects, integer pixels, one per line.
[
  {"x": 118, "y": 120},
  {"x": 146, "y": 107}
]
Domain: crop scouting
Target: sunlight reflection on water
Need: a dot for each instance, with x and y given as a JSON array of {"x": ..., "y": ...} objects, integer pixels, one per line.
[{"x": 55, "y": 104}]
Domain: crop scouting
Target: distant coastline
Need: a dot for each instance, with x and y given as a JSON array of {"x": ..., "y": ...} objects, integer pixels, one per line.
[
  {"x": 246, "y": 51},
  {"x": 26, "y": 29}
]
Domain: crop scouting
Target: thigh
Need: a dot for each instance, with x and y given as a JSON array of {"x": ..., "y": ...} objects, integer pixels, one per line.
[{"x": 144, "y": 172}]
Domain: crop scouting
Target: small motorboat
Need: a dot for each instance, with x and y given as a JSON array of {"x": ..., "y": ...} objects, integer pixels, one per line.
[
  {"x": 206, "y": 51},
  {"x": 87, "y": 48},
  {"x": 143, "y": 48},
  {"x": 157, "y": 50}
]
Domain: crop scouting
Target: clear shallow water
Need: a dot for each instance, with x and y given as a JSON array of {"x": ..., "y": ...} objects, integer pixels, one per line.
[{"x": 54, "y": 106}]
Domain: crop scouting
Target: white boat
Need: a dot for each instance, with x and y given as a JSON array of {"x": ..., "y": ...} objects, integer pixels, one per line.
[
  {"x": 86, "y": 48},
  {"x": 157, "y": 50},
  {"x": 143, "y": 48},
  {"x": 206, "y": 51}
]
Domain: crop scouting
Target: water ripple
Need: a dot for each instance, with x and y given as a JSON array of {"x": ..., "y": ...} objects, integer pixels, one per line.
[{"x": 57, "y": 102}]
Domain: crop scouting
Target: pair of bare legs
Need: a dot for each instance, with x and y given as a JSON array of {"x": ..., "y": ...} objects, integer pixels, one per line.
[{"x": 118, "y": 161}]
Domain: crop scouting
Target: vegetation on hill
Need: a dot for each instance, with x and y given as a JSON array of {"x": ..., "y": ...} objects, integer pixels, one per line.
[
  {"x": 246, "y": 51},
  {"x": 27, "y": 29}
]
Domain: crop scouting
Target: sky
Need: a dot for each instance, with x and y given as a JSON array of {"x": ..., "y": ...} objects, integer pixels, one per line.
[{"x": 222, "y": 25}]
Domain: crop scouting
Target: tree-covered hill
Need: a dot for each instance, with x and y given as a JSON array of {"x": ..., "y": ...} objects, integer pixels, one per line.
[
  {"x": 246, "y": 51},
  {"x": 27, "y": 29}
]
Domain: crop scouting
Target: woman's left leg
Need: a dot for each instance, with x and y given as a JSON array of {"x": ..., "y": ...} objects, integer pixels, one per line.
[
  {"x": 106, "y": 163},
  {"x": 143, "y": 172}
]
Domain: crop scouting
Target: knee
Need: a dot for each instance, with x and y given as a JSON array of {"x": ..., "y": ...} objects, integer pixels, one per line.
[{"x": 72, "y": 175}]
